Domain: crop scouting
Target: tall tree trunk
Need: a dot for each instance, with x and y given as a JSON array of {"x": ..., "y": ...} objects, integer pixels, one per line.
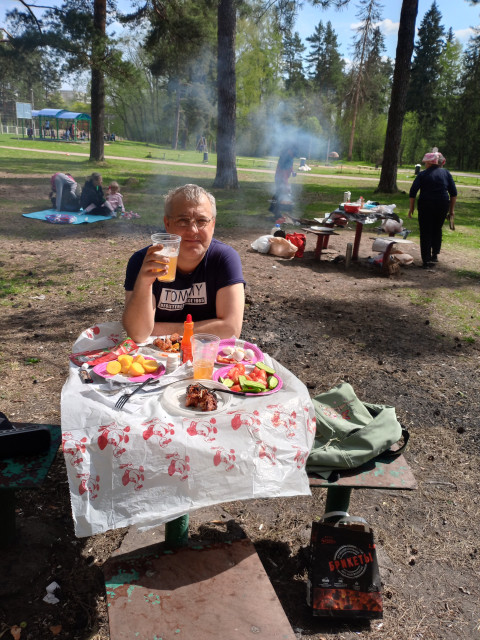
[
  {"x": 358, "y": 86},
  {"x": 354, "y": 118},
  {"x": 396, "y": 112},
  {"x": 176, "y": 124},
  {"x": 226, "y": 177},
  {"x": 98, "y": 82}
]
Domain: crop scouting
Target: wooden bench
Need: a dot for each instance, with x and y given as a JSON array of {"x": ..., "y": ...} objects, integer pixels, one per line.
[
  {"x": 218, "y": 591},
  {"x": 381, "y": 473},
  {"x": 203, "y": 592},
  {"x": 23, "y": 472},
  {"x": 322, "y": 240}
]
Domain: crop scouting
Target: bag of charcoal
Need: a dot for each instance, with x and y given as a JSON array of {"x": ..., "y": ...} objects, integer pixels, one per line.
[{"x": 344, "y": 579}]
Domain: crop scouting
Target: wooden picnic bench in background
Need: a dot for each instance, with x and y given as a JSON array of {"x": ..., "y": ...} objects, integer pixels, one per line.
[{"x": 23, "y": 472}]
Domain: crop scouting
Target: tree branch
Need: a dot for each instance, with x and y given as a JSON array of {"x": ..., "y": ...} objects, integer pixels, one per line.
[{"x": 27, "y": 7}]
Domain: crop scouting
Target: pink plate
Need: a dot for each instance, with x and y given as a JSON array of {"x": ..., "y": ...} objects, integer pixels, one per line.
[
  {"x": 223, "y": 372},
  {"x": 101, "y": 370},
  {"x": 245, "y": 345}
]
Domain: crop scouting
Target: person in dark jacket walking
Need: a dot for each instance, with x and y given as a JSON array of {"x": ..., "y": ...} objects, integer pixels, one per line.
[
  {"x": 92, "y": 199},
  {"x": 437, "y": 198}
]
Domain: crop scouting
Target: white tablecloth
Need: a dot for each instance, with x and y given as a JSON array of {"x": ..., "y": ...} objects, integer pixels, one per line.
[{"x": 145, "y": 466}]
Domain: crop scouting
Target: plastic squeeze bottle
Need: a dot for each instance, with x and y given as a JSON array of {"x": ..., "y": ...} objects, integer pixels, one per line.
[{"x": 187, "y": 334}]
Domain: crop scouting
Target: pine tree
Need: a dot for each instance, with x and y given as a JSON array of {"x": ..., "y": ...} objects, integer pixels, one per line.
[
  {"x": 293, "y": 50},
  {"x": 369, "y": 14},
  {"x": 396, "y": 112},
  {"x": 424, "y": 80},
  {"x": 466, "y": 118},
  {"x": 324, "y": 60}
]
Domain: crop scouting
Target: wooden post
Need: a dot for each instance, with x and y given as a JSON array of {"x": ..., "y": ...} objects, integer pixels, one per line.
[{"x": 348, "y": 255}]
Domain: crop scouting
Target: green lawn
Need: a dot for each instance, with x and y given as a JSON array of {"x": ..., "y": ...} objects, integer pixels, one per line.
[{"x": 143, "y": 181}]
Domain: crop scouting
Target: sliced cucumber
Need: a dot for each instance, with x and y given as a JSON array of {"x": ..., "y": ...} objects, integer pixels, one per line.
[
  {"x": 228, "y": 382},
  {"x": 272, "y": 382},
  {"x": 265, "y": 367},
  {"x": 253, "y": 386}
]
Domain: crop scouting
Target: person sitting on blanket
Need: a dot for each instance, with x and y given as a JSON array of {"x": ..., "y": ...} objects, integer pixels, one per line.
[
  {"x": 65, "y": 192},
  {"x": 209, "y": 281},
  {"x": 115, "y": 198},
  {"x": 92, "y": 199}
]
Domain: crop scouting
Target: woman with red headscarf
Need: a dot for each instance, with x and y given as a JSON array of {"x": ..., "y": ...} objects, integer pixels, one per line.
[{"x": 437, "y": 198}]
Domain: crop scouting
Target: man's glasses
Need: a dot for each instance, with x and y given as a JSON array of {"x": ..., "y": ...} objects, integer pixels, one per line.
[{"x": 185, "y": 223}]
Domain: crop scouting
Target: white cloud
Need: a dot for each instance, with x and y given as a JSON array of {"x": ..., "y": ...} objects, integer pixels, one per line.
[
  {"x": 464, "y": 34},
  {"x": 388, "y": 27}
]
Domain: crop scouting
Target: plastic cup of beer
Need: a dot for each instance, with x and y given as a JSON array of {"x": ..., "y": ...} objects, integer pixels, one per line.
[
  {"x": 204, "y": 353},
  {"x": 171, "y": 246}
]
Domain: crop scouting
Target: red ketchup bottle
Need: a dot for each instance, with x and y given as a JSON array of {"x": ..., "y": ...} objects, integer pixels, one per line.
[{"x": 186, "y": 345}]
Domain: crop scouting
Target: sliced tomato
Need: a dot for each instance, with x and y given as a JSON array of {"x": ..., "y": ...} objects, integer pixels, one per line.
[
  {"x": 262, "y": 375},
  {"x": 233, "y": 374},
  {"x": 237, "y": 370},
  {"x": 236, "y": 387},
  {"x": 259, "y": 375}
]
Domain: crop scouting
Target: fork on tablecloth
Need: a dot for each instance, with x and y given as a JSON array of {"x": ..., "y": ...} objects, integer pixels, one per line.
[{"x": 122, "y": 401}]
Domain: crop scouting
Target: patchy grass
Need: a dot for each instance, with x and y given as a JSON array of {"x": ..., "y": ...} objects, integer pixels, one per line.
[{"x": 455, "y": 311}]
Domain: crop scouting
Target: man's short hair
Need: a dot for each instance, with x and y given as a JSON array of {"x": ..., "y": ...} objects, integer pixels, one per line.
[{"x": 192, "y": 193}]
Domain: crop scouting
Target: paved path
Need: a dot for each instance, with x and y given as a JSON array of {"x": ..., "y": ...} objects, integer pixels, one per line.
[{"x": 316, "y": 176}]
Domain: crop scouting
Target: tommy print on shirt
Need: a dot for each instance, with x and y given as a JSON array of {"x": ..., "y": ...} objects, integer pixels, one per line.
[{"x": 174, "y": 300}]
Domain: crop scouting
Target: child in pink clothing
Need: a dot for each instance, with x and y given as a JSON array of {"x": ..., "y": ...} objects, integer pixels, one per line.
[{"x": 115, "y": 197}]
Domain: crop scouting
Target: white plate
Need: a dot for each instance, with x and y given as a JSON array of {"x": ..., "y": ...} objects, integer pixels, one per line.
[
  {"x": 324, "y": 229},
  {"x": 234, "y": 342},
  {"x": 173, "y": 398}
]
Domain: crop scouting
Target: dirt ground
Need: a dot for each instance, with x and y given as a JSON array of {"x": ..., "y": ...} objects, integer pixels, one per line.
[{"x": 326, "y": 324}]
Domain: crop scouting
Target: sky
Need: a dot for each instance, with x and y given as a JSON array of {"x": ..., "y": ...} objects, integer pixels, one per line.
[{"x": 458, "y": 14}]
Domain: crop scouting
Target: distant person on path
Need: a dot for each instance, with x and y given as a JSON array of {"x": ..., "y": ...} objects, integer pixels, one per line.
[
  {"x": 65, "y": 192},
  {"x": 438, "y": 195},
  {"x": 115, "y": 198},
  {"x": 284, "y": 171},
  {"x": 92, "y": 199}
]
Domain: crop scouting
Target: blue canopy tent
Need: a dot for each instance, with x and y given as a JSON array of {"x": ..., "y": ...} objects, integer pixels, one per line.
[{"x": 60, "y": 115}]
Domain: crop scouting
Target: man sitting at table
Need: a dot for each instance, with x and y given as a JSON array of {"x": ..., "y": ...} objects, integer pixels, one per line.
[{"x": 209, "y": 282}]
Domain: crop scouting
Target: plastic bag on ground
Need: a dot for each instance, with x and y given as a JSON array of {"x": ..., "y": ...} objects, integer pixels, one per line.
[
  {"x": 392, "y": 226},
  {"x": 282, "y": 248},
  {"x": 262, "y": 244}
]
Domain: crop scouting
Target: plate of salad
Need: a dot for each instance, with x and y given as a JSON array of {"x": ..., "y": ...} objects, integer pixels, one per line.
[{"x": 251, "y": 380}]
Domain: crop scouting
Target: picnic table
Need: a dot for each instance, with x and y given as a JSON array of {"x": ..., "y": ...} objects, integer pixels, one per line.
[
  {"x": 324, "y": 230},
  {"x": 154, "y": 462}
]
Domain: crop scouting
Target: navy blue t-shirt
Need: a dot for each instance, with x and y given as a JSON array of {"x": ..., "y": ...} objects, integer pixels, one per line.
[
  {"x": 193, "y": 293},
  {"x": 434, "y": 184}
]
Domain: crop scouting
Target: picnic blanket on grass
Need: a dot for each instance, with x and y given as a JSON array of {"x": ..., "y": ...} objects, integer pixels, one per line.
[{"x": 64, "y": 217}]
